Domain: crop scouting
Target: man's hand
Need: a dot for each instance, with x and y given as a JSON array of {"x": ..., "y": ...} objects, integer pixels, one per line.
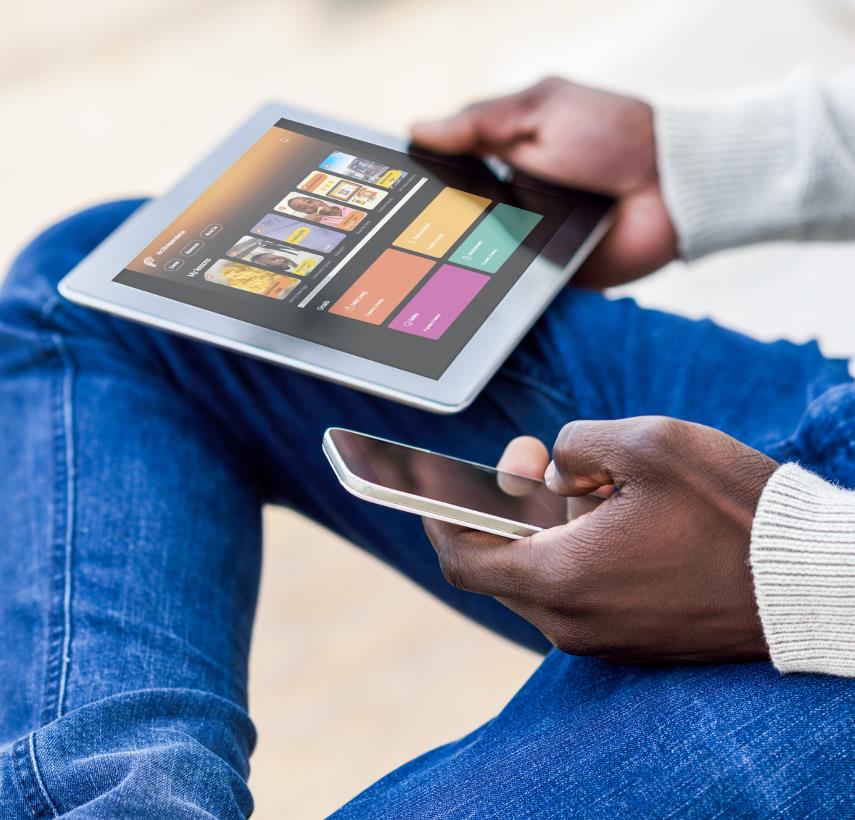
[
  {"x": 658, "y": 572},
  {"x": 580, "y": 137}
]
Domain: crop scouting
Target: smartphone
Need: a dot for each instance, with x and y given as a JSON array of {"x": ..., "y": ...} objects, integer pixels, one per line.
[{"x": 449, "y": 489}]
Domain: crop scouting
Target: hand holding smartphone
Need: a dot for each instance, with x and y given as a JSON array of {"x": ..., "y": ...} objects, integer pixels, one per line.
[{"x": 448, "y": 489}]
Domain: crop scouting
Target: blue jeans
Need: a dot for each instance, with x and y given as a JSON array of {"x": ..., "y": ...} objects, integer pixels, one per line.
[{"x": 133, "y": 469}]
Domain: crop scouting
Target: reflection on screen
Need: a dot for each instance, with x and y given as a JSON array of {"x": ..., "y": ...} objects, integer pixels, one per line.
[{"x": 450, "y": 481}]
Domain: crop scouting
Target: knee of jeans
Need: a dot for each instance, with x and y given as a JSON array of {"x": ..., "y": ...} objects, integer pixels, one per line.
[
  {"x": 32, "y": 309},
  {"x": 176, "y": 753},
  {"x": 30, "y": 287}
]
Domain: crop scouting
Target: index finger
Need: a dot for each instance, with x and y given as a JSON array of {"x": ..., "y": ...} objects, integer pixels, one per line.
[
  {"x": 525, "y": 457},
  {"x": 484, "y": 127},
  {"x": 484, "y": 563}
]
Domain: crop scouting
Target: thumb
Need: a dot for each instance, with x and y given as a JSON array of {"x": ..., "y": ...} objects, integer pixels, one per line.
[
  {"x": 587, "y": 456},
  {"x": 457, "y": 134},
  {"x": 483, "y": 128}
]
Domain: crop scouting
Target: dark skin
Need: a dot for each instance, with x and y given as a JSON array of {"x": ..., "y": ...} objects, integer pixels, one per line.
[
  {"x": 307, "y": 205},
  {"x": 659, "y": 572},
  {"x": 273, "y": 260},
  {"x": 578, "y": 136}
]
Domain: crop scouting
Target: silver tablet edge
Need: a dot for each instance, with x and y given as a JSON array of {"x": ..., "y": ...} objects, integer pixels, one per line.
[{"x": 462, "y": 398}]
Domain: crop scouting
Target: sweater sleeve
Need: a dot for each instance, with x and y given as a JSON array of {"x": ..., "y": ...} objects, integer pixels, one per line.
[
  {"x": 771, "y": 163},
  {"x": 803, "y": 562}
]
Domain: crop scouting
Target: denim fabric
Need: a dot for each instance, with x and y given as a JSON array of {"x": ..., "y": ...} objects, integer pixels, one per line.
[{"x": 133, "y": 468}]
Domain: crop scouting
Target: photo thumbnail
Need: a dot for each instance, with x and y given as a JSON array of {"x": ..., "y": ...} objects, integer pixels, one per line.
[
  {"x": 363, "y": 196},
  {"x": 317, "y": 210},
  {"x": 366, "y": 170},
  {"x": 344, "y": 190},
  {"x": 270, "y": 255},
  {"x": 252, "y": 280},
  {"x": 319, "y": 183},
  {"x": 295, "y": 232}
]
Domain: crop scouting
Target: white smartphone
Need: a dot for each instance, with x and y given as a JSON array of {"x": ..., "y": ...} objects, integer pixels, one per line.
[{"x": 449, "y": 489}]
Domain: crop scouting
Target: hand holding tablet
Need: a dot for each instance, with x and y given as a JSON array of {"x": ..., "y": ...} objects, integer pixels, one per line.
[{"x": 325, "y": 248}]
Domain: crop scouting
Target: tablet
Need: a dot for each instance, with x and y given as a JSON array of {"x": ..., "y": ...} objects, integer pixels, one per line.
[{"x": 349, "y": 255}]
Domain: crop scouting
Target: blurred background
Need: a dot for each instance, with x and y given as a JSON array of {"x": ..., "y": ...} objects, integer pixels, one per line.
[{"x": 101, "y": 100}]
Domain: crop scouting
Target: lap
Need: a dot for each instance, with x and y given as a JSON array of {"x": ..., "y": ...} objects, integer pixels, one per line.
[
  {"x": 588, "y": 357},
  {"x": 139, "y": 461},
  {"x": 585, "y": 738}
]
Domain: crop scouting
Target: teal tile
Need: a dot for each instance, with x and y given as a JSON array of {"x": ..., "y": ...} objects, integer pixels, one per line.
[{"x": 495, "y": 238}]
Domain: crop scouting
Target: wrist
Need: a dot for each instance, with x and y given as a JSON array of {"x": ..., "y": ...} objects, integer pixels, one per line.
[
  {"x": 642, "y": 173},
  {"x": 647, "y": 140}
]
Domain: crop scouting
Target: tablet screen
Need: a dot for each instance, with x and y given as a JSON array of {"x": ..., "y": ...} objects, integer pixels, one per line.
[{"x": 392, "y": 256}]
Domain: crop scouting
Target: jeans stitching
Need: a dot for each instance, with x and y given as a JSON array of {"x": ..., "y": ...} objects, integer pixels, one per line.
[
  {"x": 29, "y": 779},
  {"x": 31, "y": 744},
  {"x": 59, "y": 639},
  {"x": 68, "y": 431}
]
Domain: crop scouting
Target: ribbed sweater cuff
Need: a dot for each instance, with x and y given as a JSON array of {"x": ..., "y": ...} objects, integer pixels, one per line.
[
  {"x": 769, "y": 163},
  {"x": 803, "y": 561}
]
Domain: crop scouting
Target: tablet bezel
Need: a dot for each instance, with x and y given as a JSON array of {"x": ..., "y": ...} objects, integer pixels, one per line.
[{"x": 91, "y": 283}]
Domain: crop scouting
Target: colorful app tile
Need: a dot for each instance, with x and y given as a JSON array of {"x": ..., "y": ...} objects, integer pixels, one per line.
[
  {"x": 391, "y": 178},
  {"x": 366, "y": 170},
  {"x": 367, "y": 197},
  {"x": 495, "y": 238},
  {"x": 244, "y": 277},
  {"x": 442, "y": 222},
  {"x": 312, "y": 209},
  {"x": 378, "y": 291},
  {"x": 280, "y": 258},
  {"x": 319, "y": 183},
  {"x": 442, "y": 299},
  {"x": 344, "y": 190},
  {"x": 285, "y": 229}
]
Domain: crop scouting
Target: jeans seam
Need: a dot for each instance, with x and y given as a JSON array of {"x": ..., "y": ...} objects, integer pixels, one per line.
[
  {"x": 31, "y": 748},
  {"x": 62, "y": 535},
  {"x": 30, "y": 780}
]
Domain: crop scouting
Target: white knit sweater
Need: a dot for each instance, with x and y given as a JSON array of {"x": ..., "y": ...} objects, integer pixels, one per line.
[{"x": 778, "y": 163}]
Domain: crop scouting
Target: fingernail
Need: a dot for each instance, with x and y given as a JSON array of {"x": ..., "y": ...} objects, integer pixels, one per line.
[{"x": 549, "y": 475}]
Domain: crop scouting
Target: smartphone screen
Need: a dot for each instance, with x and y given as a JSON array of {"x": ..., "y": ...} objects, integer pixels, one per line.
[{"x": 450, "y": 481}]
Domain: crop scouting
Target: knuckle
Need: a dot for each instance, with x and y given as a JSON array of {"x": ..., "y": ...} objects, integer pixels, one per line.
[
  {"x": 569, "y": 438},
  {"x": 450, "y": 566},
  {"x": 656, "y": 432},
  {"x": 455, "y": 568},
  {"x": 474, "y": 109},
  {"x": 550, "y": 82},
  {"x": 570, "y": 429},
  {"x": 649, "y": 443},
  {"x": 431, "y": 530},
  {"x": 438, "y": 533},
  {"x": 580, "y": 640}
]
